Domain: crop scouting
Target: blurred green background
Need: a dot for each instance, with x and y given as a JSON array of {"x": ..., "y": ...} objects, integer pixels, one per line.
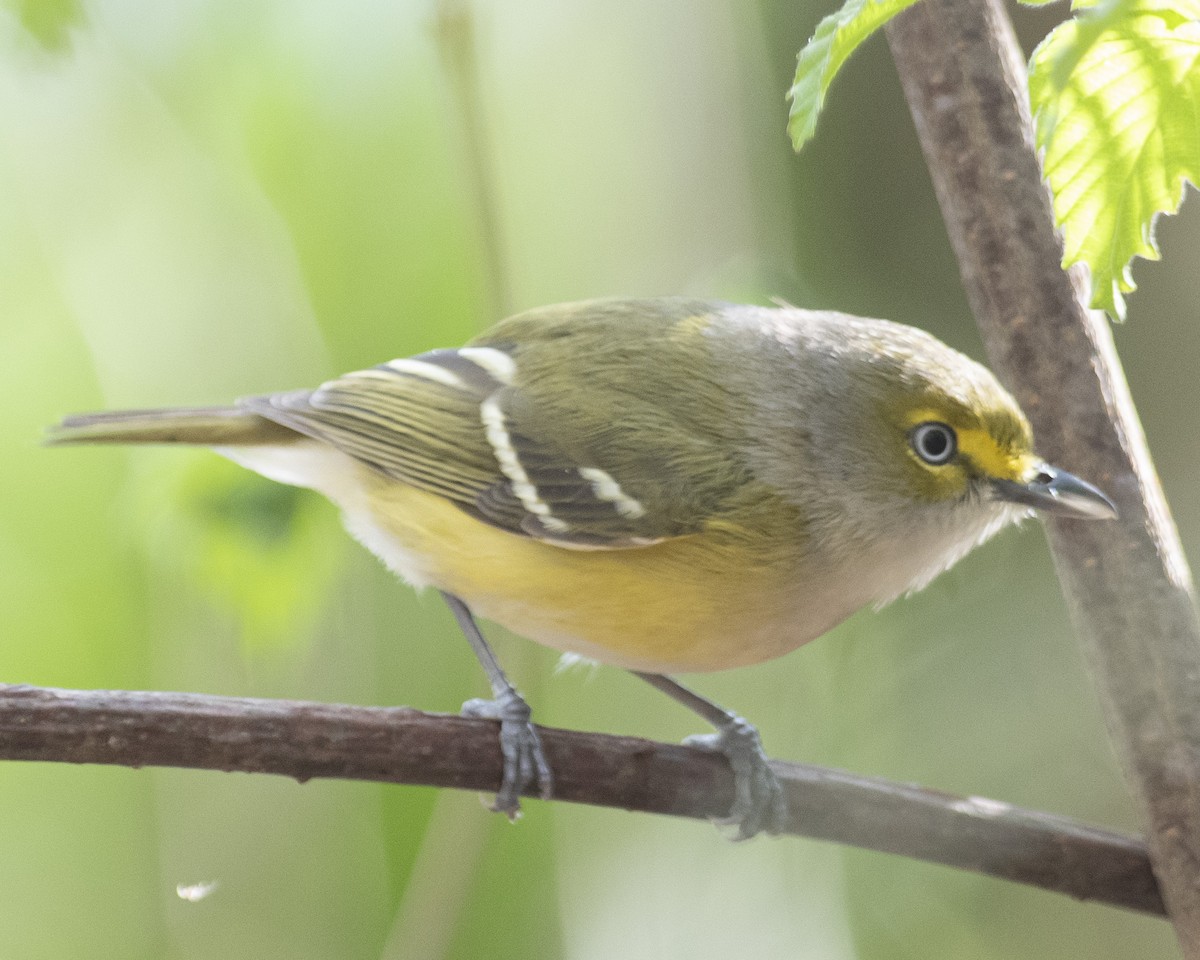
[{"x": 206, "y": 198}]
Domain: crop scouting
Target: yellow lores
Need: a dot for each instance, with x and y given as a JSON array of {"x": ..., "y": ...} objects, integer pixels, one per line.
[{"x": 664, "y": 485}]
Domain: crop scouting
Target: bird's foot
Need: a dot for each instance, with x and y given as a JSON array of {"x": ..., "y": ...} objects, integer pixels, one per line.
[
  {"x": 758, "y": 801},
  {"x": 524, "y": 761}
]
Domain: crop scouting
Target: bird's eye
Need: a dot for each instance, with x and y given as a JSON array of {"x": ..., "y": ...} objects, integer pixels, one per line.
[{"x": 935, "y": 443}]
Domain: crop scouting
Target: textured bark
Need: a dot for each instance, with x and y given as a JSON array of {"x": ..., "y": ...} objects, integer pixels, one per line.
[
  {"x": 399, "y": 745},
  {"x": 1127, "y": 582}
]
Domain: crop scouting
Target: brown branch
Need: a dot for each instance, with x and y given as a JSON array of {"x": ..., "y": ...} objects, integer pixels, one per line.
[
  {"x": 399, "y": 745},
  {"x": 1127, "y": 583}
]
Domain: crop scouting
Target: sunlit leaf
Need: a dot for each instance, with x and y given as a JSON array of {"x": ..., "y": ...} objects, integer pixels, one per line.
[
  {"x": 1116, "y": 96},
  {"x": 836, "y": 37}
]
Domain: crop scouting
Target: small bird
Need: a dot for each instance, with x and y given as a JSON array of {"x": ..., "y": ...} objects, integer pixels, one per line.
[{"x": 666, "y": 485}]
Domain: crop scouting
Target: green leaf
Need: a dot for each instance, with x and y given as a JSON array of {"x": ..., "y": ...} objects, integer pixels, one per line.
[
  {"x": 836, "y": 37},
  {"x": 1116, "y": 97}
]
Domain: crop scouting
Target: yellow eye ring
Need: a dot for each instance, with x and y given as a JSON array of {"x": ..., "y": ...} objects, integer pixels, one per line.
[{"x": 934, "y": 442}]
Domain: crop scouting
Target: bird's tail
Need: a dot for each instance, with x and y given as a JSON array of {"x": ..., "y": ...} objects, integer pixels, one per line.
[{"x": 206, "y": 426}]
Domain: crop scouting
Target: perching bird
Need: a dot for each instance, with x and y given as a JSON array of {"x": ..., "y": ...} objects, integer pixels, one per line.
[{"x": 666, "y": 485}]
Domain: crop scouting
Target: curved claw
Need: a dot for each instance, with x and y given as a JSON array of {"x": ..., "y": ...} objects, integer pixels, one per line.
[
  {"x": 524, "y": 761},
  {"x": 758, "y": 802}
]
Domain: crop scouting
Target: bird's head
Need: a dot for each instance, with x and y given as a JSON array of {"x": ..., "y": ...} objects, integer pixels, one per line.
[
  {"x": 947, "y": 432},
  {"x": 900, "y": 453}
]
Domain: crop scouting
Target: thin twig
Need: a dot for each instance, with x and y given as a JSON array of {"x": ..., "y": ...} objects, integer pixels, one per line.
[
  {"x": 398, "y": 745},
  {"x": 456, "y": 36},
  {"x": 1127, "y": 583}
]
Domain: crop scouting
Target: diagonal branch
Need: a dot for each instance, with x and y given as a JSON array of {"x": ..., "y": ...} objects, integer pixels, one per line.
[
  {"x": 399, "y": 745},
  {"x": 1127, "y": 583}
]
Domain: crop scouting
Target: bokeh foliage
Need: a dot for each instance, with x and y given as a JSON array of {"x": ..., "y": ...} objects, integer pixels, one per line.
[
  {"x": 1115, "y": 96},
  {"x": 217, "y": 198}
]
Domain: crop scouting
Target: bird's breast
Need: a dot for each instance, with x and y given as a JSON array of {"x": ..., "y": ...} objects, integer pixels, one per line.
[
  {"x": 701, "y": 602},
  {"x": 686, "y": 604}
]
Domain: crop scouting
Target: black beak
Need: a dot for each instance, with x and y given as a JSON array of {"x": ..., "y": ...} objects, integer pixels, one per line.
[{"x": 1058, "y": 492}]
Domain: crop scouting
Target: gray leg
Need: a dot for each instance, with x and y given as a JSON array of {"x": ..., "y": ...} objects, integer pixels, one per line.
[
  {"x": 758, "y": 802},
  {"x": 524, "y": 762}
]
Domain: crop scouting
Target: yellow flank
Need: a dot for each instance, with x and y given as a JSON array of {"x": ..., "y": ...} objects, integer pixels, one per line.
[{"x": 687, "y": 604}]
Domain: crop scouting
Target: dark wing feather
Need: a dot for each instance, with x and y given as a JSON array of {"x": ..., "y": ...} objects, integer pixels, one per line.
[{"x": 421, "y": 421}]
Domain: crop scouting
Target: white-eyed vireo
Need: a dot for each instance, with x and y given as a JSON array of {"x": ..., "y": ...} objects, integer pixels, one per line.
[{"x": 665, "y": 485}]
